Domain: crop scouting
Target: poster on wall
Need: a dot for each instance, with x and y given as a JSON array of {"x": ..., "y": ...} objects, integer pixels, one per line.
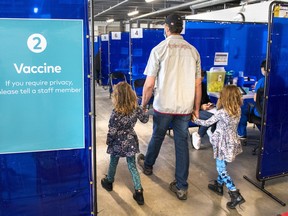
[
  {"x": 221, "y": 58},
  {"x": 41, "y": 85}
]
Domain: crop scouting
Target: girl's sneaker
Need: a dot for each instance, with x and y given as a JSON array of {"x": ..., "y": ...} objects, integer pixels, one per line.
[
  {"x": 236, "y": 199},
  {"x": 138, "y": 196},
  {"x": 106, "y": 184},
  {"x": 196, "y": 140},
  {"x": 216, "y": 187}
]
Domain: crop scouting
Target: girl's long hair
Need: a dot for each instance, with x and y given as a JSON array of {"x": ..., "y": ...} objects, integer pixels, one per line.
[
  {"x": 231, "y": 100},
  {"x": 124, "y": 98}
]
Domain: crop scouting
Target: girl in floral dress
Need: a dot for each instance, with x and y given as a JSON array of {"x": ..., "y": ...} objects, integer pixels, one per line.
[
  {"x": 122, "y": 140},
  {"x": 225, "y": 142}
]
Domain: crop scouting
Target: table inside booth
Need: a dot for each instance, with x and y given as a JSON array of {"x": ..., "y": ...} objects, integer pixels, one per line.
[{"x": 249, "y": 95}]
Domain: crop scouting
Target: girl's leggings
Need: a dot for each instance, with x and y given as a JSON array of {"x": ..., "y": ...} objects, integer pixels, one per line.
[
  {"x": 223, "y": 176},
  {"x": 132, "y": 169}
]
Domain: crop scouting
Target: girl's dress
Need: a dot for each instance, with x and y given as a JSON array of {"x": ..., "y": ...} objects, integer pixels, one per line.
[
  {"x": 122, "y": 140},
  {"x": 225, "y": 142}
]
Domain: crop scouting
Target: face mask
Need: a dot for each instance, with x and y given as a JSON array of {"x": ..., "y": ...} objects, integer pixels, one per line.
[{"x": 164, "y": 34}]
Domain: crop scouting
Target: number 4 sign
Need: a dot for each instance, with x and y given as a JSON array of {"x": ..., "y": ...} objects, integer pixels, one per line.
[{"x": 137, "y": 33}]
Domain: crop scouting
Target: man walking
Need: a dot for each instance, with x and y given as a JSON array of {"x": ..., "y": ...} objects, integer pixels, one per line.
[{"x": 174, "y": 77}]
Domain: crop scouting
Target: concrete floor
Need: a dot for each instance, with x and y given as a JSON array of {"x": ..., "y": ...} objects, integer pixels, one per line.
[{"x": 159, "y": 200}]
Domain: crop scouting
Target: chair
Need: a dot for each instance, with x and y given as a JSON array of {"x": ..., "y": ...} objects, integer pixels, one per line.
[
  {"x": 252, "y": 118},
  {"x": 114, "y": 78},
  {"x": 138, "y": 85}
]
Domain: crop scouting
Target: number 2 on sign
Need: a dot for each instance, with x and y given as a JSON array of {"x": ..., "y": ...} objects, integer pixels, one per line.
[{"x": 36, "y": 43}]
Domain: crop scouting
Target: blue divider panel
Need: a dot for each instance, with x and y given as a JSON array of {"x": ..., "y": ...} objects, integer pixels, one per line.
[
  {"x": 246, "y": 51},
  {"x": 245, "y": 43},
  {"x": 104, "y": 59},
  {"x": 119, "y": 52},
  {"x": 49, "y": 182},
  {"x": 141, "y": 48},
  {"x": 96, "y": 45},
  {"x": 274, "y": 160}
]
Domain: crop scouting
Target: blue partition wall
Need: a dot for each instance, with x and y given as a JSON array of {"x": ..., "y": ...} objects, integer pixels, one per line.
[
  {"x": 50, "y": 182},
  {"x": 273, "y": 161},
  {"x": 104, "y": 60},
  {"x": 96, "y": 45},
  {"x": 245, "y": 49},
  {"x": 119, "y": 53},
  {"x": 141, "y": 48}
]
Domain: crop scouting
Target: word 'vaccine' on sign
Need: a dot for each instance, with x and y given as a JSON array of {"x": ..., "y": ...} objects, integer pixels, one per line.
[{"x": 27, "y": 69}]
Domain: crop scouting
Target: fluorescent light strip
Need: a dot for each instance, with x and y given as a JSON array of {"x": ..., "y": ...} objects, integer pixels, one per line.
[
  {"x": 110, "y": 20},
  {"x": 149, "y": 1},
  {"x": 132, "y": 13}
]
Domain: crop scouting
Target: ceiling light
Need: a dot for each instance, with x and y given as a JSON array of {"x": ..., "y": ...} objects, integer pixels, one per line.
[
  {"x": 149, "y": 0},
  {"x": 110, "y": 20},
  {"x": 35, "y": 10},
  {"x": 132, "y": 13}
]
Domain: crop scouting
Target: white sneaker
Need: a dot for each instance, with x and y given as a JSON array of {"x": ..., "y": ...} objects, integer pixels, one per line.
[
  {"x": 196, "y": 140},
  {"x": 209, "y": 133}
]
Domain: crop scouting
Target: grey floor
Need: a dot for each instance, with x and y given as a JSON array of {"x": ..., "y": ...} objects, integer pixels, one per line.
[{"x": 159, "y": 200}]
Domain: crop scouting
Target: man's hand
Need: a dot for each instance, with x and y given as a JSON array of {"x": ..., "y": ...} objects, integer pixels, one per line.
[{"x": 195, "y": 114}]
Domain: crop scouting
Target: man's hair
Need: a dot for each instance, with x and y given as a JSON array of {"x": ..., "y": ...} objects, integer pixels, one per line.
[{"x": 175, "y": 29}]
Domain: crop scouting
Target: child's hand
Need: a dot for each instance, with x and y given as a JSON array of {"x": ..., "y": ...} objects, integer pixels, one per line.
[
  {"x": 207, "y": 106},
  {"x": 193, "y": 117}
]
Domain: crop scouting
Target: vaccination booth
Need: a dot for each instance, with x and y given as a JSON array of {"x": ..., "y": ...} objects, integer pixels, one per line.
[
  {"x": 119, "y": 52},
  {"x": 273, "y": 154},
  {"x": 104, "y": 59}
]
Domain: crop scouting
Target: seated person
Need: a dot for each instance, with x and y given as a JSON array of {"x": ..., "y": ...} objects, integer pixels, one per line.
[
  {"x": 242, "y": 132},
  {"x": 204, "y": 115}
]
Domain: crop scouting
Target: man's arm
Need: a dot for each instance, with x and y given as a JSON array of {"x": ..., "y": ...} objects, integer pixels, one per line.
[
  {"x": 198, "y": 95},
  {"x": 147, "y": 90}
]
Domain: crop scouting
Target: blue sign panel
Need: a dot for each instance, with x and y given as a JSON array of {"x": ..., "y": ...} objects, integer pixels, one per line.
[
  {"x": 274, "y": 156},
  {"x": 41, "y": 85}
]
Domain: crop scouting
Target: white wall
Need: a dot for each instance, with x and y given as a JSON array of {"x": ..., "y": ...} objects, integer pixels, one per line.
[{"x": 257, "y": 12}]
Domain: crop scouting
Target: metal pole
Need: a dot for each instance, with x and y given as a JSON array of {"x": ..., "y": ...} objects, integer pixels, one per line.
[
  {"x": 130, "y": 54},
  {"x": 93, "y": 182}
]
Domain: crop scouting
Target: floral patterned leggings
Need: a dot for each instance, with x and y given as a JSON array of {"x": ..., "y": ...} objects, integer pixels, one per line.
[
  {"x": 132, "y": 169},
  {"x": 223, "y": 176}
]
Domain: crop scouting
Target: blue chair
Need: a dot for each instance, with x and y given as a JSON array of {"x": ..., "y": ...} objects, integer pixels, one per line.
[
  {"x": 254, "y": 119},
  {"x": 114, "y": 78},
  {"x": 137, "y": 85}
]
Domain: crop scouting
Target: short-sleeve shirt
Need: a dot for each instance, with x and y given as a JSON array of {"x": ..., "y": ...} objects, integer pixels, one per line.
[{"x": 176, "y": 64}]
